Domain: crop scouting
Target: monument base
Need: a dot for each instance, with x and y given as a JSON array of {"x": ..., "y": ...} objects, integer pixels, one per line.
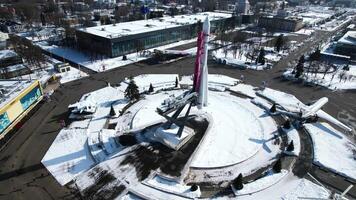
[{"x": 170, "y": 138}]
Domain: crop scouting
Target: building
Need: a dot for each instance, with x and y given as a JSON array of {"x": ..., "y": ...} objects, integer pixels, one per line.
[
  {"x": 11, "y": 26},
  {"x": 3, "y": 40},
  {"x": 123, "y": 38},
  {"x": 11, "y": 65},
  {"x": 62, "y": 67},
  {"x": 17, "y": 99},
  {"x": 242, "y": 7},
  {"x": 290, "y": 24},
  {"x": 347, "y": 45}
]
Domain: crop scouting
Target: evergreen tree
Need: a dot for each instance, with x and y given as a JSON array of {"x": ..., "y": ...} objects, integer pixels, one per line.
[
  {"x": 150, "y": 89},
  {"x": 112, "y": 111},
  {"x": 287, "y": 124},
  {"x": 131, "y": 91},
  {"x": 261, "y": 57},
  {"x": 316, "y": 55},
  {"x": 277, "y": 167},
  {"x": 300, "y": 67},
  {"x": 290, "y": 146},
  {"x": 176, "y": 85},
  {"x": 273, "y": 108},
  {"x": 193, "y": 188},
  {"x": 237, "y": 183},
  {"x": 279, "y": 42}
]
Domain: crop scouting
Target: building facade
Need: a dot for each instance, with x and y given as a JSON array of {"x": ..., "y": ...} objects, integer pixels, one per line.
[
  {"x": 124, "y": 38},
  {"x": 17, "y": 99},
  {"x": 280, "y": 24}
]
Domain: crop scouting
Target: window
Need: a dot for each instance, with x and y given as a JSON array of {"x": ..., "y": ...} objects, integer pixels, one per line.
[{"x": 4, "y": 121}]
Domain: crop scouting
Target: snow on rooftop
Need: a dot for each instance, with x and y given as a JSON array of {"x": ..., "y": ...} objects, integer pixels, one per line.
[
  {"x": 349, "y": 38},
  {"x": 4, "y": 54},
  {"x": 10, "y": 89},
  {"x": 332, "y": 149},
  {"x": 68, "y": 155},
  {"x": 142, "y": 26}
]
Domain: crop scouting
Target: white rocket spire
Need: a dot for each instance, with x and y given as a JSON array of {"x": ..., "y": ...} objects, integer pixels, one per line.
[{"x": 203, "y": 90}]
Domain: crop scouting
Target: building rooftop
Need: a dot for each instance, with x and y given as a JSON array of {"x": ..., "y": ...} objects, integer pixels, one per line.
[
  {"x": 349, "y": 38},
  {"x": 4, "y": 54},
  {"x": 10, "y": 89},
  {"x": 142, "y": 26}
]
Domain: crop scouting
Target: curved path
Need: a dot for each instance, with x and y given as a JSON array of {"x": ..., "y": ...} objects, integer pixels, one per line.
[{"x": 22, "y": 175}]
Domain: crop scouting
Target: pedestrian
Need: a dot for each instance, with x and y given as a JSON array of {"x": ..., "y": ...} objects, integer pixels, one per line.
[{"x": 242, "y": 78}]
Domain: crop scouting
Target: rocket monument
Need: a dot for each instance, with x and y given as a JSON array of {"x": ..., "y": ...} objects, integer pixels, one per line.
[{"x": 200, "y": 84}]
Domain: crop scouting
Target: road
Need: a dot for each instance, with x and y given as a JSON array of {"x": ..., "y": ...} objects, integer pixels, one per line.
[{"x": 22, "y": 176}]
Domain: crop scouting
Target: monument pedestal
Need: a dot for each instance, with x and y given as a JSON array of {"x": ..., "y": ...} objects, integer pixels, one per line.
[{"x": 170, "y": 138}]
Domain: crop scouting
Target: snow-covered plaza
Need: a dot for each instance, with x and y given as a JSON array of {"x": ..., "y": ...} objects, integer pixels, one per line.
[{"x": 108, "y": 150}]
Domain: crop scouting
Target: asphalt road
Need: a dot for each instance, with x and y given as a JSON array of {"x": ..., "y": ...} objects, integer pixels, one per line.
[{"x": 22, "y": 176}]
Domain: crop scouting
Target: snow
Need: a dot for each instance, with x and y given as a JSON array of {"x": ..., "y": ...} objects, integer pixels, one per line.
[
  {"x": 158, "y": 81},
  {"x": 234, "y": 131},
  {"x": 305, "y": 31},
  {"x": 240, "y": 57},
  {"x": 287, "y": 101},
  {"x": 71, "y": 75},
  {"x": 144, "y": 26},
  {"x": 260, "y": 184},
  {"x": 13, "y": 89},
  {"x": 171, "y": 186},
  {"x": 349, "y": 38},
  {"x": 338, "y": 80},
  {"x": 306, "y": 190},
  {"x": 4, "y": 54},
  {"x": 105, "y": 64},
  {"x": 332, "y": 149},
  {"x": 293, "y": 135},
  {"x": 213, "y": 80},
  {"x": 68, "y": 155},
  {"x": 244, "y": 89}
]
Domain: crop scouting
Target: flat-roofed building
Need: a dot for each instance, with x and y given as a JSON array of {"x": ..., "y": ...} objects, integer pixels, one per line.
[
  {"x": 17, "y": 99},
  {"x": 275, "y": 23},
  {"x": 347, "y": 45},
  {"x": 123, "y": 38}
]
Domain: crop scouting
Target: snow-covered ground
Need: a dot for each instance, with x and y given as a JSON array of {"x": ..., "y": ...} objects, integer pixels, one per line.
[
  {"x": 260, "y": 184},
  {"x": 48, "y": 72},
  {"x": 71, "y": 75},
  {"x": 338, "y": 80},
  {"x": 332, "y": 149},
  {"x": 239, "y": 57},
  {"x": 107, "y": 63}
]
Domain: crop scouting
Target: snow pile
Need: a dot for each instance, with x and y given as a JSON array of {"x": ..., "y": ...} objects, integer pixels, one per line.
[
  {"x": 307, "y": 190},
  {"x": 332, "y": 149},
  {"x": 68, "y": 155},
  {"x": 260, "y": 184}
]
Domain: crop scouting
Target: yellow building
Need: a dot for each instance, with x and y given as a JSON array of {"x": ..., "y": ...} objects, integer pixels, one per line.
[{"x": 17, "y": 98}]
